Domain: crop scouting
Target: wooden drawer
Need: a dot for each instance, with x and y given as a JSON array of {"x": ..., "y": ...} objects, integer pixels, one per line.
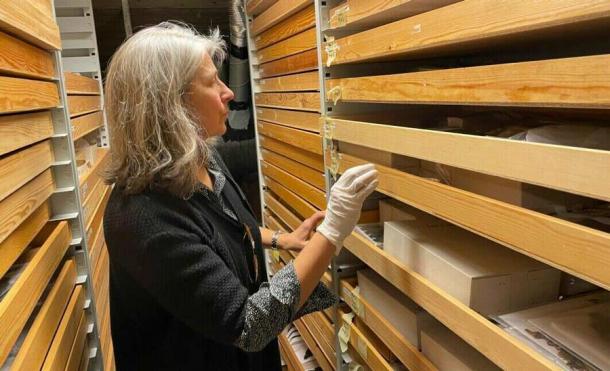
[
  {"x": 31, "y": 20},
  {"x": 255, "y": 7},
  {"x": 305, "y": 61},
  {"x": 298, "y": 101},
  {"x": 85, "y": 124},
  {"x": 288, "y": 354},
  {"x": 93, "y": 202},
  {"x": 89, "y": 178},
  {"x": 302, "y": 207},
  {"x": 59, "y": 353},
  {"x": 407, "y": 353},
  {"x": 17, "y": 131},
  {"x": 19, "y": 302},
  {"x": 18, "y": 241},
  {"x": 32, "y": 353},
  {"x": 298, "y": 82},
  {"x": 276, "y": 13},
  {"x": 20, "y": 204},
  {"x": 82, "y": 104},
  {"x": 279, "y": 210},
  {"x": 304, "y": 173},
  {"x": 78, "y": 345},
  {"x": 298, "y": 43},
  {"x": 308, "y": 141},
  {"x": 299, "y": 22},
  {"x": 366, "y": 13},
  {"x": 21, "y": 95},
  {"x": 576, "y": 170},
  {"x": 309, "y": 121},
  {"x": 313, "y": 160},
  {"x": 22, "y": 59},
  {"x": 308, "y": 192},
  {"x": 550, "y": 240},
  {"x": 314, "y": 346},
  {"x": 471, "y": 25},
  {"x": 83, "y": 85},
  {"x": 580, "y": 82},
  {"x": 20, "y": 167}
]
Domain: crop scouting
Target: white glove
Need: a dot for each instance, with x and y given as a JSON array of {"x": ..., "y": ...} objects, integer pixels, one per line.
[{"x": 345, "y": 203}]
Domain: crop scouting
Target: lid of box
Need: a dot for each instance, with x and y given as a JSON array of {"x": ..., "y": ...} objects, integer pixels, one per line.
[{"x": 473, "y": 255}]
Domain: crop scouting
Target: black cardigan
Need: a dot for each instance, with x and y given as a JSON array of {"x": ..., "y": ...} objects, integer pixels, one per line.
[{"x": 179, "y": 280}]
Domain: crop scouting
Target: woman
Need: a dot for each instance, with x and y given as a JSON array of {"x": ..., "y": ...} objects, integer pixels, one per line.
[{"x": 188, "y": 286}]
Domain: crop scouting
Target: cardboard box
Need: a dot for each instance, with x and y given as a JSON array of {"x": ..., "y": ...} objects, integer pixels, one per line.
[
  {"x": 482, "y": 274},
  {"x": 403, "y": 313},
  {"x": 379, "y": 157},
  {"x": 529, "y": 196},
  {"x": 447, "y": 351},
  {"x": 393, "y": 210}
]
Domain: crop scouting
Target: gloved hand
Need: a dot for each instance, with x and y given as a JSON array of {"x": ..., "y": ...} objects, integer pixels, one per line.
[{"x": 345, "y": 203}]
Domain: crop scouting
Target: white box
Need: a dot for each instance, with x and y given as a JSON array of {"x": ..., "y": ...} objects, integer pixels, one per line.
[
  {"x": 482, "y": 274},
  {"x": 447, "y": 351},
  {"x": 403, "y": 313}
]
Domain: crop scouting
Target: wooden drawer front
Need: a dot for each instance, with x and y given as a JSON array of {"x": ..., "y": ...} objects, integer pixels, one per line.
[
  {"x": 85, "y": 124},
  {"x": 18, "y": 241},
  {"x": 299, "y": 101},
  {"x": 298, "y": 138},
  {"x": 255, "y": 7},
  {"x": 21, "y": 95},
  {"x": 314, "y": 346},
  {"x": 81, "y": 104},
  {"x": 19, "y": 302},
  {"x": 20, "y": 167},
  {"x": 305, "y": 61},
  {"x": 471, "y": 25},
  {"x": 78, "y": 345},
  {"x": 309, "y": 121},
  {"x": 89, "y": 179},
  {"x": 276, "y": 13},
  {"x": 314, "y": 161},
  {"x": 21, "y": 203},
  {"x": 298, "y": 82},
  {"x": 77, "y": 84},
  {"x": 298, "y": 43},
  {"x": 581, "y": 82},
  {"x": 302, "y": 172},
  {"x": 299, "y": 22},
  {"x": 281, "y": 212},
  {"x": 18, "y": 131},
  {"x": 31, "y": 20},
  {"x": 93, "y": 199},
  {"x": 32, "y": 353},
  {"x": 22, "y": 59},
  {"x": 304, "y": 190},
  {"x": 95, "y": 248},
  {"x": 59, "y": 353},
  {"x": 302, "y": 207}
]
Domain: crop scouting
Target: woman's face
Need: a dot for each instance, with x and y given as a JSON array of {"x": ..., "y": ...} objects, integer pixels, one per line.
[{"x": 210, "y": 98}]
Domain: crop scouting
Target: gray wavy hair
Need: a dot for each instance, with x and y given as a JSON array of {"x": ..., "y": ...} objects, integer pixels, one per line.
[{"x": 155, "y": 140}]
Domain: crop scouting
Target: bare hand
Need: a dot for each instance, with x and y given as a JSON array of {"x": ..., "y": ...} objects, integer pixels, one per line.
[{"x": 296, "y": 240}]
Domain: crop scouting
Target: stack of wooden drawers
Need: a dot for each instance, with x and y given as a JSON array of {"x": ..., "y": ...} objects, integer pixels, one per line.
[
  {"x": 411, "y": 86},
  {"x": 288, "y": 112},
  {"x": 46, "y": 315}
]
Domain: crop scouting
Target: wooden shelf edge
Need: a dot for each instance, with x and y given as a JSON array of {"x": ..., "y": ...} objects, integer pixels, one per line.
[{"x": 553, "y": 166}]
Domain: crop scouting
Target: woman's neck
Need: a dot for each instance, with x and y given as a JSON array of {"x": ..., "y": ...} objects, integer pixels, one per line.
[{"x": 205, "y": 178}]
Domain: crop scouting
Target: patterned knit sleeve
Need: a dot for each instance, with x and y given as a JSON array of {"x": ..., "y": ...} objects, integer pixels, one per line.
[{"x": 274, "y": 306}]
